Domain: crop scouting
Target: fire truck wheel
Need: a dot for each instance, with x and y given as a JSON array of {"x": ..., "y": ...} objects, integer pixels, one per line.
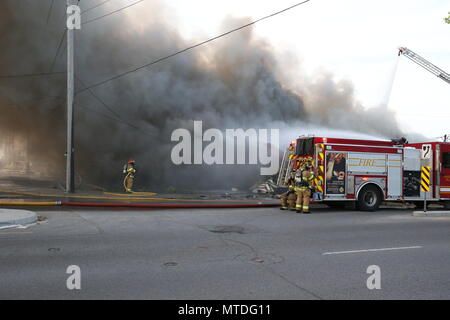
[
  {"x": 369, "y": 198},
  {"x": 446, "y": 204}
]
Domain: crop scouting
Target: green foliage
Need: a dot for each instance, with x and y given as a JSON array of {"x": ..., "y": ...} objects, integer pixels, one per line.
[{"x": 447, "y": 20}]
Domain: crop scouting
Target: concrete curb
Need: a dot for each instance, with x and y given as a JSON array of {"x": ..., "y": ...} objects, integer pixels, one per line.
[
  {"x": 431, "y": 214},
  {"x": 15, "y": 217}
]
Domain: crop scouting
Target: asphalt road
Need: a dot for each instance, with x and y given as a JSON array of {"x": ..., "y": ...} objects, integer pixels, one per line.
[{"x": 227, "y": 254}]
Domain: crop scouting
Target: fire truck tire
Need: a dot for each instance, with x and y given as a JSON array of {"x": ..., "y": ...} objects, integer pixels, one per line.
[
  {"x": 446, "y": 204},
  {"x": 369, "y": 198}
]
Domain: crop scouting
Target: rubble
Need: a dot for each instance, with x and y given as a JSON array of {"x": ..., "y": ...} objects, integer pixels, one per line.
[{"x": 266, "y": 187}]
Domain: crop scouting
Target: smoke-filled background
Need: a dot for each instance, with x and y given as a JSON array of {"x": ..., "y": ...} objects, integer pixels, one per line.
[{"x": 233, "y": 82}]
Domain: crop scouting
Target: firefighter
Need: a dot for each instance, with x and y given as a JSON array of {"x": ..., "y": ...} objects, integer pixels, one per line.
[
  {"x": 303, "y": 188},
  {"x": 129, "y": 170},
  {"x": 288, "y": 198}
]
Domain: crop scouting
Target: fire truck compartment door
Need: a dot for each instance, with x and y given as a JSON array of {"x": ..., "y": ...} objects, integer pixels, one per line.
[
  {"x": 411, "y": 173},
  {"x": 367, "y": 163},
  {"x": 394, "y": 175},
  {"x": 445, "y": 171}
]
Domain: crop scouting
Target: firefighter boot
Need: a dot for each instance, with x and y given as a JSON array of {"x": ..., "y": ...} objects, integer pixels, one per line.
[
  {"x": 283, "y": 198},
  {"x": 291, "y": 201},
  {"x": 306, "y": 198},
  {"x": 299, "y": 202}
]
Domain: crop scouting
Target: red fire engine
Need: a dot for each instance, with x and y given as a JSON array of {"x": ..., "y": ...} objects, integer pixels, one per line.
[{"x": 368, "y": 172}]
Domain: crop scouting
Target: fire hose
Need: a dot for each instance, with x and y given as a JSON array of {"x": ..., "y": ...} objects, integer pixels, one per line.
[
  {"x": 30, "y": 203},
  {"x": 140, "y": 205},
  {"x": 170, "y": 206},
  {"x": 125, "y": 181},
  {"x": 185, "y": 203}
]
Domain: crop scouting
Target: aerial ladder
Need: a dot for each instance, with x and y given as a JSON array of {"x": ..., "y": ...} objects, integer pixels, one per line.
[{"x": 424, "y": 63}]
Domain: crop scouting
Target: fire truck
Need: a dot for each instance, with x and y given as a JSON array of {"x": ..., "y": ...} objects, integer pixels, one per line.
[{"x": 368, "y": 172}]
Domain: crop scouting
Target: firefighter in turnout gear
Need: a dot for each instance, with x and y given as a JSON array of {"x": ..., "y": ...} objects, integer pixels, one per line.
[
  {"x": 288, "y": 198},
  {"x": 129, "y": 170},
  {"x": 303, "y": 188}
]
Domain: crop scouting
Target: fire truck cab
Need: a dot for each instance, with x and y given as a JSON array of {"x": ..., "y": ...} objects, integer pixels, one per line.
[{"x": 369, "y": 172}]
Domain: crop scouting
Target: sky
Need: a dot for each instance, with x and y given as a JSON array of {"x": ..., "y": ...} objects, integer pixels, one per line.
[{"x": 356, "y": 40}]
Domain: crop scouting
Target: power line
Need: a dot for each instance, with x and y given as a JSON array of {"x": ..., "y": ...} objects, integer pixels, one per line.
[
  {"x": 61, "y": 41},
  {"x": 30, "y": 75},
  {"x": 49, "y": 12},
  {"x": 96, "y": 112},
  {"x": 108, "y": 14},
  {"x": 101, "y": 114},
  {"x": 110, "y": 118},
  {"x": 118, "y": 117},
  {"x": 191, "y": 47},
  {"x": 88, "y": 88},
  {"x": 65, "y": 13},
  {"x": 53, "y": 61},
  {"x": 98, "y": 5},
  {"x": 98, "y": 99}
]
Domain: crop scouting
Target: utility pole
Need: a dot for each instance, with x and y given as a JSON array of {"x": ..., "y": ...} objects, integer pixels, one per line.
[{"x": 70, "y": 183}]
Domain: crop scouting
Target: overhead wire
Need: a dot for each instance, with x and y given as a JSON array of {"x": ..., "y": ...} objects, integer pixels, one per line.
[
  {"x": 63, "y": 36},
  {"x": 118, "y": 117},
  {"x": 61, "y": 41},
  {"x": 28, "y": 75},
  {"x": 96, "y": 6},
  {"x": 192, "y": 47},
  {"x": 110, "y": 13},
  {"x": 88, "y": 88},
  {"x": 49, "y": 12}
]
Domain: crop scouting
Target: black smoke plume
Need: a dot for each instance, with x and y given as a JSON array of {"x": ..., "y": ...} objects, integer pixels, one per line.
[{"x": 233, "y": 82}]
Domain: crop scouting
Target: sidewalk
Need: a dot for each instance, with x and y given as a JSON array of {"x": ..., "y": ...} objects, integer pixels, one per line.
[
  {"x": 433, "y": 213},
  {"x": 31, "y": 193},
  {"x": 16, "y": 217}
]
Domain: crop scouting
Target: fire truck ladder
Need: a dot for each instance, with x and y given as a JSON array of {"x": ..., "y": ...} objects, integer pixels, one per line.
[
  {"x": 424, "y": 63},
  {"x": 284, "y": 169}
]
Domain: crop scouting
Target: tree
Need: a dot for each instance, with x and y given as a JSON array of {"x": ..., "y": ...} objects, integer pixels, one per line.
[{"x": 447, "y": 20}]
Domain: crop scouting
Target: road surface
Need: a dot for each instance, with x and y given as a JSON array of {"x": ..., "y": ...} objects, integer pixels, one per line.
[{"x": 227, "y": 254}]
